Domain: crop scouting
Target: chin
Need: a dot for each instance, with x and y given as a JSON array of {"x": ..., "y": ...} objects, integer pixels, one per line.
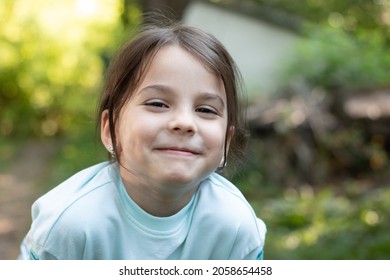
[
  {"x": 182, "y": 178},
  {"x": 179, "y": 180}
]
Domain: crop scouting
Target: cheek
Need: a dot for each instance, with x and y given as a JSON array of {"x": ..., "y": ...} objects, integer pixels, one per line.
[
  {"x": 215, "y": 139},
  {"x": 135, "y": 131}
]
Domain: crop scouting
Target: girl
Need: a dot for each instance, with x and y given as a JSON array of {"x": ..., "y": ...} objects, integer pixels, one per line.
[{"x": 168, "y": 117}]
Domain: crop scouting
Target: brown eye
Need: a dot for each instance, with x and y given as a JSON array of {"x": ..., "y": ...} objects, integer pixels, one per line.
[
  {"x": 206, "y": 110},
  {"x": 156, "y": 104}
]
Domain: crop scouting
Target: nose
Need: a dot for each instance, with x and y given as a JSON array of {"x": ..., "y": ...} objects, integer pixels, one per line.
[{"x": 183, "y": 122}]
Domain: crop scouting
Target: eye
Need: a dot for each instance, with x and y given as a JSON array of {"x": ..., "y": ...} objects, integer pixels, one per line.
[
  {"x": 206, "y": 110},
  {"x": 158, "y": 104}
]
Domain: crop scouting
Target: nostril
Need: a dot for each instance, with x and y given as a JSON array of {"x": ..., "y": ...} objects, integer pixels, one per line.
[
  {"x": 183, "y": 129},
  {"x": 182, "y": 125}
]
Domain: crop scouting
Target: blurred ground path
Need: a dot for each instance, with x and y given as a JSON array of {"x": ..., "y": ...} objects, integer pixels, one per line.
[{"x": 19, "y": 187}]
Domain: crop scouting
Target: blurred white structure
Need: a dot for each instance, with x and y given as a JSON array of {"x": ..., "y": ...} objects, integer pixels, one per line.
[{"x": 259, "y": 47}]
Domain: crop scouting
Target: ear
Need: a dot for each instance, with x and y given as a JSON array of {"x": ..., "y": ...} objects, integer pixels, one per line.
[
  {"x": 105, "y": 133},
  {"x": 229, "y": 136}
]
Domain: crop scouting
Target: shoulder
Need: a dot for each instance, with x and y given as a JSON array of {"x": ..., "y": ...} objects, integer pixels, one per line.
[
  {"x": 73, "y": 189},
  {"x": 71, "y": 207},
  {"x": 224, "y": 194},
  {"x": 227, "y": 204},
  {"x": 225, "y": 213}
]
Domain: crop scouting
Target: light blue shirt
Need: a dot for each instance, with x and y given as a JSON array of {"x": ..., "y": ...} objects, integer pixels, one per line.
[{"x": 91, "y": 216}]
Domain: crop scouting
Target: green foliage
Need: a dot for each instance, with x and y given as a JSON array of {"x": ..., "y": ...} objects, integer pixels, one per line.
[
  {"x": 78, "y": 150},
  {"x": 52, "y": 55},
  {"x": 331, "y": 58},
  {"x": 305, "y": 224},
  {"x": 349, "y": 15},
  {"x": 8, "y": 150}
]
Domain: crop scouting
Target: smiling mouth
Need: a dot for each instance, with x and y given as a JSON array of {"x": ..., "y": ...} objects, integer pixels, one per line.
[{"x": 179, "y": 151}]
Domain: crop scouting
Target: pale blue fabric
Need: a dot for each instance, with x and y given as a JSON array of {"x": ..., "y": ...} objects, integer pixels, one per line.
[{"x": 91, "y": 216}]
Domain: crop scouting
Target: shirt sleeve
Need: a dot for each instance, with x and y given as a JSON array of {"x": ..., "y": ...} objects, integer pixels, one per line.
[{"x": 24, "y": 253}]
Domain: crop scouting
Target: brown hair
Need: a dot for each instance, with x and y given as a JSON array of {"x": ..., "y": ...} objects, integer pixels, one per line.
[{"x": 127, "y": 68}]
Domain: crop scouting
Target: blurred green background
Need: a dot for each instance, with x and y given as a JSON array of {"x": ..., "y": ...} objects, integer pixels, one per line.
[{"x": 321, "y": 187}]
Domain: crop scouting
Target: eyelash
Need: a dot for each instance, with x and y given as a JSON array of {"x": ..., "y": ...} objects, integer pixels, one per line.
[
  {"x": 206, "y": 111},
  {"x": 156, "y": 104},
  {"x": 203, "y": 110}
]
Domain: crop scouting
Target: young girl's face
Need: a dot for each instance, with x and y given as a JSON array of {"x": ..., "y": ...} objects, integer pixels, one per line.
[{"x": 172, "y": 131}]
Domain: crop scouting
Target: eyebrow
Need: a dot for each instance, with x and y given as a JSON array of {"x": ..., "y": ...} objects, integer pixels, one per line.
[
  {"x": 203, "y": 95},
  {"x": 213, "y": 96}
]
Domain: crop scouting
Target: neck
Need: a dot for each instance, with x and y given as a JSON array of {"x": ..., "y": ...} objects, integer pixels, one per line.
[
  {"x": 160, "y": 206},
  {"x": 159, "y": 201}
]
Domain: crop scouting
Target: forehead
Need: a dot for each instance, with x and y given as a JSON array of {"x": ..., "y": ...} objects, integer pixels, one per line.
[{"x": 174, "y": 64}]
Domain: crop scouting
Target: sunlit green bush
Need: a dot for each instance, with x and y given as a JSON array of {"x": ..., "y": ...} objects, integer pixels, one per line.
[
  {"x": 329, "y": 57},
  {"x": 53, "y": 56},
  {"x": 326, "y": 224}
]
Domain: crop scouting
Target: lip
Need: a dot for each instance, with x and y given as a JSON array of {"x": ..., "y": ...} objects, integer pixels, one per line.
[{"x": 179, "y": 151}]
